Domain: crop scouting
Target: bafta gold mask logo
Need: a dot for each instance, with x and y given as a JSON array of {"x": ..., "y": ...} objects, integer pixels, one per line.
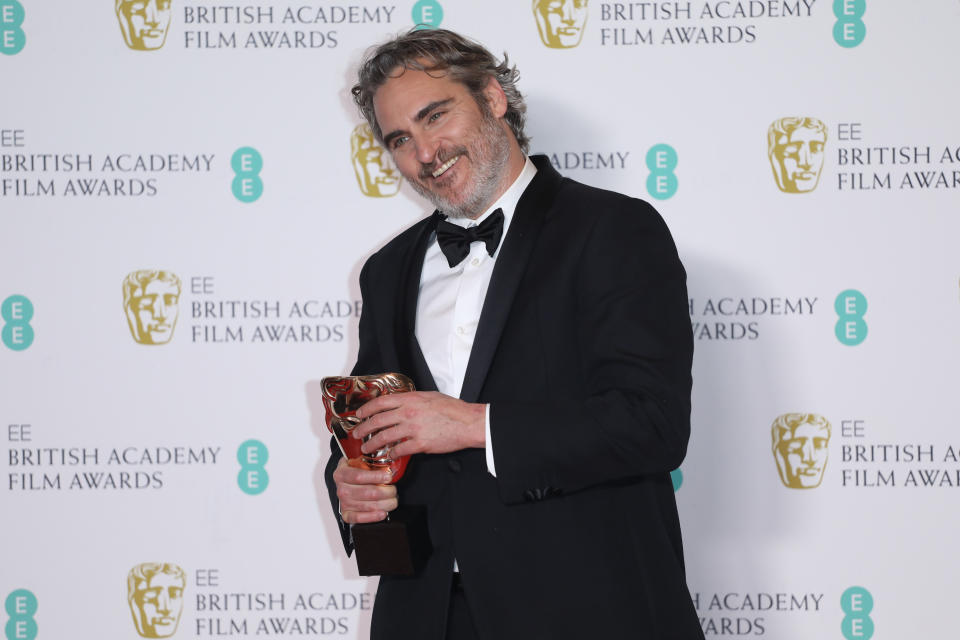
[
  {"x": 795, "y": 147},
  {"x": 800, "y": 449},
  {"x": 144, "y": 23},
  {"x": 560, "y": 22},
  {"x": 376, "y": 174},
  {"x": 155, "y": 596},
  {"x": 151, "y": 300}
]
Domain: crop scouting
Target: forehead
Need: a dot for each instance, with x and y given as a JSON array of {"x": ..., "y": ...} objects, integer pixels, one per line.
[
  {"x": 159, "y": 286},
  {"x": 806, "y": 134},
  {"x": 406, "y": 91},
  {"x": 165, "y": 580},
  {"x": 807, "y": 430}
]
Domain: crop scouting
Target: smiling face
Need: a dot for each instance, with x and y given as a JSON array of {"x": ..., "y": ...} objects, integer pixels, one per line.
[
  {"x": 455, "y": 154},
  {"x": 560, "y": 22},
  {"x": 144, "y": 22}
]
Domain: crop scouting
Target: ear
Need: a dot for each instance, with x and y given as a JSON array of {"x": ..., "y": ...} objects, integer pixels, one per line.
[{"x": 496, "y": 98}]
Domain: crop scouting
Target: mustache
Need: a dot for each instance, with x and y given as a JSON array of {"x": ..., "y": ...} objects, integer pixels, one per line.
[{"x": 426, "y": 170}]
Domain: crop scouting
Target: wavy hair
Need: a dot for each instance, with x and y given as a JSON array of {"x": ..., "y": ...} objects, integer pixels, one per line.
[{"x": 429, "y": 50}]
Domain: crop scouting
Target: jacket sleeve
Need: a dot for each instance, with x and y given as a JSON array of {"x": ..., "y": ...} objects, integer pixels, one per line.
[
  {"x": 630, "y": 413},
  {"x": 365, "y": 362}
]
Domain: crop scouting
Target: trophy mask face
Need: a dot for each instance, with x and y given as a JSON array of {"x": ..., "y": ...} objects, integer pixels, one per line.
[
  {"x": 801, "y": 455},
  {"x": 376, "y": 173},
  {"x": 560, "y": 22},
  {"x": 144, "y": 23},
  {"x": 797, "y": 156},
  {"x": 152, "y": 306},
  {"x": 156, "y": 604}
]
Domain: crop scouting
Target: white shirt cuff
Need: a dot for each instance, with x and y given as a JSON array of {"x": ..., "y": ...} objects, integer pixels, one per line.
[{"x": 489, "y": 444}]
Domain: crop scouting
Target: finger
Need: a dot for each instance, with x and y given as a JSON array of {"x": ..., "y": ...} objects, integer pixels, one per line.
[
  {"x": 361, "y": 517},
  {"x": 380, "y": 403},
  {"x": 354, "y": 476},
  {"x": 386, "y": 418},
  {"x": 353, "y": 495},
  {"x": 406, "y": 448},
  {"x": 384, "y": 439}
]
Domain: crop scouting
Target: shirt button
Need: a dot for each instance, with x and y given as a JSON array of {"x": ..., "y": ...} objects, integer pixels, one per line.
[
  {"x": 460, "y": 330},
  {"x": 475, "y": 261}
]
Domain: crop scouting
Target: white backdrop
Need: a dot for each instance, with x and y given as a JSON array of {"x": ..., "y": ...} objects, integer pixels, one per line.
[{"x": 120, "y": 453}]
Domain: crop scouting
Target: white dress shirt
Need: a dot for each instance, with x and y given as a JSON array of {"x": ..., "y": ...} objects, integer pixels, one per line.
[{"x": 450, "y": 300}]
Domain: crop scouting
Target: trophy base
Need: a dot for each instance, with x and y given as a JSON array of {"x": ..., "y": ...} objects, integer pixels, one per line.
[{"x": 399, "y": 546}]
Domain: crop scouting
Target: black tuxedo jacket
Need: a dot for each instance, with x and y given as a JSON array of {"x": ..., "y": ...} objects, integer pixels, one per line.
[{"x": 583, "y": 351}]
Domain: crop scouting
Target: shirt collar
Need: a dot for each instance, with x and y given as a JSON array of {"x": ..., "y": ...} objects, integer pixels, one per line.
[{"x": 506, "y": 202}]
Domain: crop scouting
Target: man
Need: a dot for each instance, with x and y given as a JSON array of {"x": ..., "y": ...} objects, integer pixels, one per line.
[
  {"x": 795, "y": 147},
  {"x": 800, "y": 449},
  {"x": 553, "y": 362},
  {"x": 151, "y": 300},
  {"x": 155, "y": 597},
  {"x": 144, "y": 23}
]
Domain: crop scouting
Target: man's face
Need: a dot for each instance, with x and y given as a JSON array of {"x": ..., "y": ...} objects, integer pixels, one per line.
[
  {"x": 802, "y": 456},
  {"x": 376, "y": 173},
  {"x": 800, "y": 158},
  {"x": 560, "y": 22},
  {"x": 157, "y": 605},
  {"x": 451, "y": 152},
  {"x": 153, "y": 311},
  {"x": 144, "y": 23}
]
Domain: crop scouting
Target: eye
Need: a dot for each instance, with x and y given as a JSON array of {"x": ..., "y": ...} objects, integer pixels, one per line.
[
  {"x": 398, "y": 142},
  {"x": 435, "y": 116}
]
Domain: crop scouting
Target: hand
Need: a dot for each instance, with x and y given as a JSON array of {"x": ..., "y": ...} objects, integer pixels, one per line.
[
  {"x": 365, "y": 495},
  {"x": 421, "y": 422}
]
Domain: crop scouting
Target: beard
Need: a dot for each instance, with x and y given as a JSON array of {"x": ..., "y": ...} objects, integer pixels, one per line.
[{"x": 489, "y": 153}]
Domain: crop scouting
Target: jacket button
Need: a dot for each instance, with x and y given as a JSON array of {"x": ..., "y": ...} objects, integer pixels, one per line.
[{"x": 454, "y": 465}]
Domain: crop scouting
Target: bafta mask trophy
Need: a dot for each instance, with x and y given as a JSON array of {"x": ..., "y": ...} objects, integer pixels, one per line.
[{"x": 400, "y": 544}]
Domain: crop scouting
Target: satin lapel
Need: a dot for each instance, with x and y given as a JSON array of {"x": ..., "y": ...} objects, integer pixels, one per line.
[
  {"x": 410, "y": 353},
  {"x": 507, "y": 273}
]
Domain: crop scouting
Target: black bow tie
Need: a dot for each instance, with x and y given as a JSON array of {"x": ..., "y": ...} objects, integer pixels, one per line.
[{"x": 455, "y": 240}]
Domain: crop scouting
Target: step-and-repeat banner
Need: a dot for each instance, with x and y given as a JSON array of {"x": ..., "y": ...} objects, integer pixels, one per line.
[{"x": 187, "y": 196}]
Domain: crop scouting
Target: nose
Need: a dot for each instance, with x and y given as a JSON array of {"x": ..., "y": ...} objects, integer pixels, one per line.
[
  {"x": 163, "y": 602},
  {"x": 150, "y": 13},
  {"x": 806, "y": 453},
  {"x": 803, "y": 156},
  {"x": 427, "y": 147},
  {"x": 159, "y": 309},
  {"x": 568, "y": 12}
]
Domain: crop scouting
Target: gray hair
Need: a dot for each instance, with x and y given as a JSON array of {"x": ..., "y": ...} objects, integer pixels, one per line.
[{"x": 467, "y": 62}]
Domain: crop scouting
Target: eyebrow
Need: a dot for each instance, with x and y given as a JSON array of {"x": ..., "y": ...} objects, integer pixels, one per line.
[{"x": 423, "y": 113}]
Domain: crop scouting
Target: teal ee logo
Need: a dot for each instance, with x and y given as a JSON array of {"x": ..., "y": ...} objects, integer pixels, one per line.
[
  {"x": 247, "y": 164},
  {"x": 17, "y": 311},
  {"x": 849, "y": 30},
  {"x": 662, "y": 182},
  {"x": 857, "y": 603},
  {"x": 676, "y": 477},
  {"x": 252, "y": 456},
  {"x": 21, "y": 605},
  {"x": 427, "y": 14},
  {"x": 12, "y": 37},
  {"x": 851, "y": 329}
]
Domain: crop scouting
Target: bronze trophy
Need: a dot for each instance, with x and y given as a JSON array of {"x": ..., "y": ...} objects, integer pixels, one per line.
[{"x": 399, "y": 545}]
